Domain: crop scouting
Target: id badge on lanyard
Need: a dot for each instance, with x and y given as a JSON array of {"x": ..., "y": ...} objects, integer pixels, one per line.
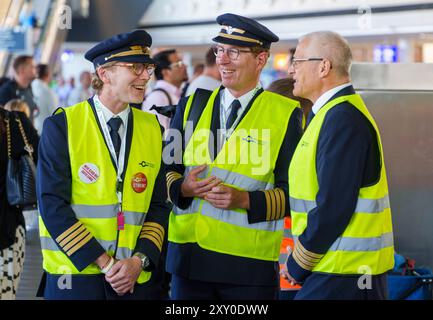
[{"x": 120, "y": 163}]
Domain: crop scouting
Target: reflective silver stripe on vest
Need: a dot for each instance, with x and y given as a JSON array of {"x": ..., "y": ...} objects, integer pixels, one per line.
[
  {"x": 239, "y": 219},
  {"x": 123, "y": 253},
  {"x": 49, "y": 244},
  {"x": 193, "y": 208},
  {"x": 107, "y": 211},
  {"x": 287, "y": 233},
  {"x": 242, "y": 181},
  {"x": 362, "y": 244},
  {"x": 229, "y": 177},
  {"x": 299, "y": 205},
  {"x": 363, "y": 205},
  {"x": 372, "y": 206},
  {"x": 282, "y": 258}
]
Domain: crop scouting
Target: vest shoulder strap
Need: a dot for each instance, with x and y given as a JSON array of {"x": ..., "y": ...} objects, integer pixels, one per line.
[
  {"x": 201, "y": 96},
  {"x": 58, "y": 110}
]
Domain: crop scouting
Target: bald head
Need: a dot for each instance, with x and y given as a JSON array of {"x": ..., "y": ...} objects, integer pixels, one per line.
[{"x": 331, "y": 46}]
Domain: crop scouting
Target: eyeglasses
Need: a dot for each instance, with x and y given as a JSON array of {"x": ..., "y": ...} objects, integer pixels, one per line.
[
  {"x": 138, "y": 68},
  {"x": 178, "y": 64},
  {"x": 232, "y": 53},
  {"x": 295, "y": 61}
]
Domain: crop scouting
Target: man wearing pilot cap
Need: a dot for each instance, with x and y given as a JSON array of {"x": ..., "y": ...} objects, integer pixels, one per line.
[
  {"x": 101, "y": 186},
  {"x": 230, "y": 191}
]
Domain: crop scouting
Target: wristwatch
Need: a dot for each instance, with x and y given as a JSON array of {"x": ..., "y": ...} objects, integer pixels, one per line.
[{"x": 145, "y": 261}]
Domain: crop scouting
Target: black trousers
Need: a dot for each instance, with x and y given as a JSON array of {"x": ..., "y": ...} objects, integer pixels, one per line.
[
  {"x": 187, "y": 289},
  {"x": 333, "y": 287}
]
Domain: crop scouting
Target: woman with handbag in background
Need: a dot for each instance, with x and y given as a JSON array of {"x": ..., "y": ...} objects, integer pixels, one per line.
[{"x": 18, "y": 143}]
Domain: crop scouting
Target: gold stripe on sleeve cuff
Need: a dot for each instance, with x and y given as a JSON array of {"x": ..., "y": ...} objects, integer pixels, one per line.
[
  {"x": 159, "y": 233},
  {"x": 153, "y": 239},
  {"x": 154, "y": 225},
  {"x": 268, "y": 206},
  {"x": 273, "y": 203},
  {"x": 280, "y": 192},
  {"x": 313, "y": 257},
  {"x": 301, "y": 262},
  {"x": 76, "y": 240},
  {"x": 80, "y": 244},
  {"x": 72, "y": 235},
  {"x": 171, "y": 177},
  {"x": 68, "y": 232},
  {"x": 153, "y": 235}
]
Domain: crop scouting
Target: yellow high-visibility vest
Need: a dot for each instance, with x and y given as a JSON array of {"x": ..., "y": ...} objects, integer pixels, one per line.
[
  {"x": 246, "y": 162},
  {"x": 95, "y": 203},
  {"x": 366, "y": 245}
]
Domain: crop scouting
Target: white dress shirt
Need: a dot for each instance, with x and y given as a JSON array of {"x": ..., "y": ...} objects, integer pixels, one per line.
[
  {"x": 122, "y": 115},
  {"x": 326, "y": 96},
  {"x": 226, "y": 99},
  {"x": 46, "y": 100}
]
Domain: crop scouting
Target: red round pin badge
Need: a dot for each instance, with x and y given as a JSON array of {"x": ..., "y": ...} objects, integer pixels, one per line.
[{"x": 139, "y": 182}]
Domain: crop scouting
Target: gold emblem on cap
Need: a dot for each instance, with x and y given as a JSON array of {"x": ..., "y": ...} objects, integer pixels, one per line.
[
  {"x": 241, "y": 38},
  {"x": 135, "y": 50},
  {"x": 230, "y": 30}
]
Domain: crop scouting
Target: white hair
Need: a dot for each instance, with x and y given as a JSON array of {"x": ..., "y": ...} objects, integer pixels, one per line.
[{"x": 332, "y": 46}]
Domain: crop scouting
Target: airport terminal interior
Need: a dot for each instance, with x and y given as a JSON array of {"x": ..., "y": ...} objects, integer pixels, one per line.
[{"x": 392, "y": 69}]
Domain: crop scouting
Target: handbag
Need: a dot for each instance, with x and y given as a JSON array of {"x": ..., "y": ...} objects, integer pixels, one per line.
[{"x": 21, "y": 173}]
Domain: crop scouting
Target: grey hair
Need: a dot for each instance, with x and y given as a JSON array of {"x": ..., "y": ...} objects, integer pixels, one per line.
[{"x": 332, "y": 46}]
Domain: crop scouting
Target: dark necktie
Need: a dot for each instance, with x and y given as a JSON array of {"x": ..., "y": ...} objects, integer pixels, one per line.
[
  {"x": 233, "y": 113},
  {"x": 114, "y": 124}
]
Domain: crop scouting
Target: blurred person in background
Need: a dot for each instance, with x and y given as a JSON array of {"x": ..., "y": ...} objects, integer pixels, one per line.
[
  {"x": 18, "y": 105},
  {"x": 170, "y": 74},
  {"x": 285, "y": 88},
  {"x": 211, "y": 77},
  {"x": 12, "y": 224},
  {"x": 45, "y": 97},
  {"x": 20, "y": 86},
  {"x": 198, "y": 70},
  {"x": 83, "y": 91},
  {"x": 71, "y": 83},
  {"x": 63, "y": 89}
]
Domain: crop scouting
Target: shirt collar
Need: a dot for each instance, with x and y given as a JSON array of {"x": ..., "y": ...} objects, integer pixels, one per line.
[
  {"x": 244, "y": 99},
  {"x": 323, "y": 99},
  {"x": 170, "y": 88},
  {"x": 108, "y": 114}
]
